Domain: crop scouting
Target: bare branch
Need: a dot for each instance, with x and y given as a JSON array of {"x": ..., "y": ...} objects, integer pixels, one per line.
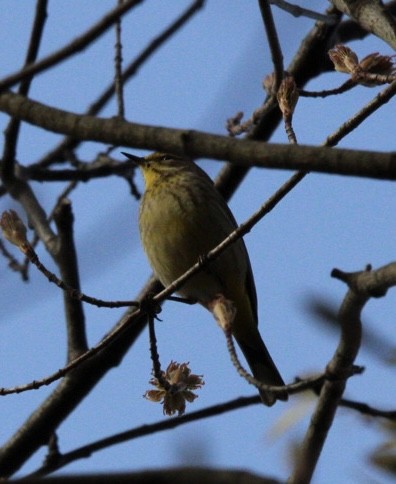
[
  {"x": 118, "y": 84},
  {"x": 72, "y": 292},
  {"x": 362, "y": 286},
  {"x": 101, "y": 167},
  {"x": 350, "y": 30},
  {"x": 67, "y": 263},
  {"x": 35, "y": 240},
  {"x": 199, "y": 144},
  {"x": 329, "y": 92},
  {"x": 365, "y": 409},
  {"x": 13, "y": 263}
]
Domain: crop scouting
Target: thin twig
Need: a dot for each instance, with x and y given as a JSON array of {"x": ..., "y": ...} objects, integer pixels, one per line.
[
  {"x": 366, "y": 409},
  {"x": 72, "y": 291},
  {"x": 298, "y": 11},
  {"x": 352, "y": 123},
  {"x": 234, "y": 125},
  {"x": 13, "y": 128},
  {"x": 83, "y": 172},
  {"x": 35, "y": 239},
  {"x": 246, "y": 375},
  {"x": 147, "y": 429},
  {"x": 273, "y": 42},
  {"x": 118, "y": 84},
  {"x": 157, "y": 372},
  {"x": 348, "y": 85}
]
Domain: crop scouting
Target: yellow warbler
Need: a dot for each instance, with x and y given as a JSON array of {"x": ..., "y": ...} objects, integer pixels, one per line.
[{"x": 183, "y": 217}]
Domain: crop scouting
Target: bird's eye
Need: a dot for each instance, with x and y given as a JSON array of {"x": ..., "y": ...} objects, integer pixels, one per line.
[{"x": 167, "y": 157}]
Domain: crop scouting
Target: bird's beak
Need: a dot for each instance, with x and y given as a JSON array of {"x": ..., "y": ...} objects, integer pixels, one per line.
[{"x": 137, "y": 159}]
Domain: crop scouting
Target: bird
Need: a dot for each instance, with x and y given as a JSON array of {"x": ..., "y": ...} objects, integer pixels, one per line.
[{"x": 182, "y": 217}]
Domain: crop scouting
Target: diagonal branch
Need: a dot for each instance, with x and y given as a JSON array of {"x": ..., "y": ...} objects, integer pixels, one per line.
[
  {"x": 13, "y": 128},
  {"x": 273, "y": 42}
]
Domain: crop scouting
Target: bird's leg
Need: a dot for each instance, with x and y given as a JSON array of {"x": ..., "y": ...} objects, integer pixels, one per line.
[
  {"x": 184, "y": 300},
  {"x": 150, "y": 307}
]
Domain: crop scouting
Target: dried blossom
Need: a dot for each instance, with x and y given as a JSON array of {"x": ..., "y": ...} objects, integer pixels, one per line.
[
  {"x": 378, "y": 64},
  {"x": 181, "y": 383}
]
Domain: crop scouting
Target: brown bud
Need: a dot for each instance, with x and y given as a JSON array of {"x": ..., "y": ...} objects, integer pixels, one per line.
[
  {"x": 344, "y": 59},
  {"x": 13, "y": 229},
  {"x": 268, "y": 82},
  {"x": 287, "y": 96}
]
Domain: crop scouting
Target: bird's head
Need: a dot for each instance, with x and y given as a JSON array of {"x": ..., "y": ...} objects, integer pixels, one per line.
[{"x": 159, "y": 166}]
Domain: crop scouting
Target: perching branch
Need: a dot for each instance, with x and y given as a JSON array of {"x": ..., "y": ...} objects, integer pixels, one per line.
[{"x": 129, "y": 320}]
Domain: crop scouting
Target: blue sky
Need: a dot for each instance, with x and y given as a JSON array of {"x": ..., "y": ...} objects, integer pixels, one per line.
[{"x": 210, "y": 70}]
